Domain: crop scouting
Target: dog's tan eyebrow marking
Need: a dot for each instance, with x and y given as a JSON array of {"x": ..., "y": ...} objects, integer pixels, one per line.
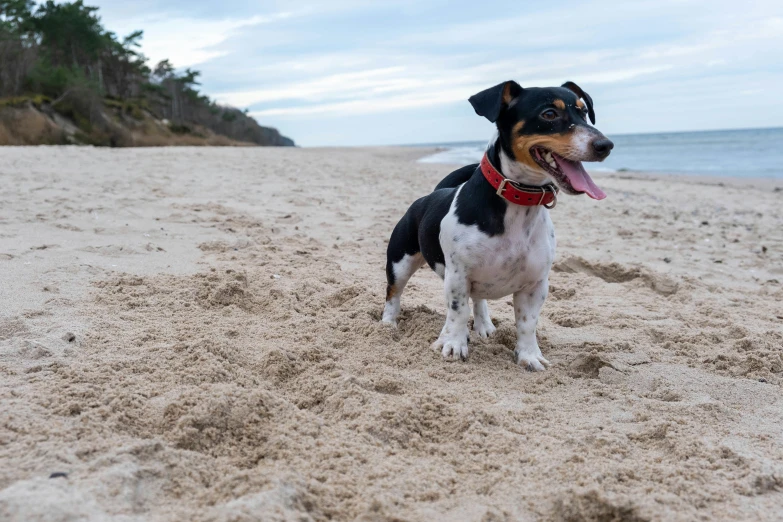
[
  {"x": 560, "y": 104},
  {"x": 580, "y": 104}
]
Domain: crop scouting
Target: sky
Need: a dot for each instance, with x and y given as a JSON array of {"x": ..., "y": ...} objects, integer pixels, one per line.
[{"x": 360, "y": 72}]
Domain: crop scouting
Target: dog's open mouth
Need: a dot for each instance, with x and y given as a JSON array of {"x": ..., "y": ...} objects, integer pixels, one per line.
[{"x": 569, "y": 174}]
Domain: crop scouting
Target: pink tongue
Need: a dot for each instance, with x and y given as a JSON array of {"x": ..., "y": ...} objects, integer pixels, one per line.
[{"x": 579, "y": 177}]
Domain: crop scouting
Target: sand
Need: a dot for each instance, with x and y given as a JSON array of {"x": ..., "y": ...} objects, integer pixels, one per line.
[{"x": 194, "y": 334}]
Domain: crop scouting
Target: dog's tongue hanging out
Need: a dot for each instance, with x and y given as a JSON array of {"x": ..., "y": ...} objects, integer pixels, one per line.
[{"x": 579, "y": 177}]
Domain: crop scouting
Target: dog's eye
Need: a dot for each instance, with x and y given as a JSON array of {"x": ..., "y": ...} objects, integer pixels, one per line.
[{"x": 549, "y": 114}]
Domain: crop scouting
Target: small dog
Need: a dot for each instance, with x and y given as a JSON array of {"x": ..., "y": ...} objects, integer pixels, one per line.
[{"x": 485, "y": 229}]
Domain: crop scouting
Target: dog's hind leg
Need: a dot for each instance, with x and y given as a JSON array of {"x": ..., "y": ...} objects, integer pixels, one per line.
[
  {"x": 397, "y": 275},
  {"x": 482, "y": 323},
  {"x": 403, "y": 258}
]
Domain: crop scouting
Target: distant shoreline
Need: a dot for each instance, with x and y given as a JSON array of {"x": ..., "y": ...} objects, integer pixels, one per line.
[
  {"x": 704, "y": 153},
  {"x": 621, "y": 134}
]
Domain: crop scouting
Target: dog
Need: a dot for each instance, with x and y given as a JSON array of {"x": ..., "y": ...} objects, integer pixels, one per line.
[{"x": 486, "y": 230}]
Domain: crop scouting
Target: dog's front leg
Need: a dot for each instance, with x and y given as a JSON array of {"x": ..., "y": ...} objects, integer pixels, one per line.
[
  {"x": 527, "y": 307},
  {"x": 453, "y": 340}
]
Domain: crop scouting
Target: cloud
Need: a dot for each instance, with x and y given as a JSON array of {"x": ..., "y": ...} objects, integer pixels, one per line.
[
  {"x": 194, "y": 41},
  {"x": 369, "y": 106},
  {"x": 365, "y": 94},
  {"x": 190, "y": 41},
  {"x": 366, "y": 81},
  {"x": 301, "y": 66}
]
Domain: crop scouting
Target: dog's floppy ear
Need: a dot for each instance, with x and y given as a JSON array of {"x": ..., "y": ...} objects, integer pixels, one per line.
[
  {"x": 490, "y": 102},
  {"x": 571, "y": 86}
]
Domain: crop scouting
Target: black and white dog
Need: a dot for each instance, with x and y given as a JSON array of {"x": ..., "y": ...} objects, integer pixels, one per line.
[{"x": 486, "y": 228}]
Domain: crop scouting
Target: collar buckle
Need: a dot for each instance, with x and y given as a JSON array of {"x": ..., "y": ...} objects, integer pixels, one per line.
[
  {"x": 553, "y": 190},
  {"x": 502, "y": 186}
]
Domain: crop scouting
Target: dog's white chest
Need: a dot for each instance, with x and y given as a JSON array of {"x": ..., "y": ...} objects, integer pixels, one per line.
[{"x": 507, "y": 263}]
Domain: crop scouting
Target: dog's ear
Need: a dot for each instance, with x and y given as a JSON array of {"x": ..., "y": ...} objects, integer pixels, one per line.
[
  {"x": 571, "y": 86},
  {"x": 490, "y": 103}
]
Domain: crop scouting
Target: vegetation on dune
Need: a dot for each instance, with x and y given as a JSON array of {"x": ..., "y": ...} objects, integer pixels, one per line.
[{"x": 59, "y": 57}]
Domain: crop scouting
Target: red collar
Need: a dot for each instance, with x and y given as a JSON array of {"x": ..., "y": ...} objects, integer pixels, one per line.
[{"x": 516, "y": 193}]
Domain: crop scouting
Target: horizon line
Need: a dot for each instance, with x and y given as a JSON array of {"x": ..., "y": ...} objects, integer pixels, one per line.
[{"x": 440, "y": 143}]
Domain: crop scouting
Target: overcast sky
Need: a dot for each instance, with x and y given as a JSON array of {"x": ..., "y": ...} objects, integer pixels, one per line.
[{"x": 354, "y": 72}]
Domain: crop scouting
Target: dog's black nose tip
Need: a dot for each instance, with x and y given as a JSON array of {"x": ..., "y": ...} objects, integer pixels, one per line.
[{"x": 603, "y": 146}]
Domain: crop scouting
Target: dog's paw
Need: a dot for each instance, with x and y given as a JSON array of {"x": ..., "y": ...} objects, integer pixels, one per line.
[
  {"x": 390, "y": 313},
  {"x": 389, "y": 321},
  {"x": 484, "y": 328},
  {"x": 531, "y": 360},
  {"x": 454, "y": 349}
]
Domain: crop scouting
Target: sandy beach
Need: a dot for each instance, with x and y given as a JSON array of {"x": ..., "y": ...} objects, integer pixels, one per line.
[{"x": 193, "y": 334}]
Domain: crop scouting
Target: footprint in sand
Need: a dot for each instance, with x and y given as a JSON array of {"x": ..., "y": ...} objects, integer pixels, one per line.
[{"x": 617, "y": 273}]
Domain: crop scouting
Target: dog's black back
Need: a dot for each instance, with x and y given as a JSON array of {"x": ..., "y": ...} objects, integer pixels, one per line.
[
  {"x": 458, "y": 177},
  {"x": 419, "y": 229}
]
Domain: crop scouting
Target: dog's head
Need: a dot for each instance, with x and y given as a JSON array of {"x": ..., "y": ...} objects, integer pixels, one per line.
[{"x": 546, "y": 131}]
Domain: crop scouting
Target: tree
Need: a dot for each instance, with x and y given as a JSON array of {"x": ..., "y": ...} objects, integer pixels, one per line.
[
  {"x": 125, "y": 67},
  {"x": 14, "y": 14},
  {"x": 62, "y": 51},
  {"x": 17, "y": 51},
  {"x": 71, "y": 33}
]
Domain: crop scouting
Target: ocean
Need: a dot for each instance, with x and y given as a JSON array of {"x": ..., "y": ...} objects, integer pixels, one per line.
[{"x": 752, "y": 153}]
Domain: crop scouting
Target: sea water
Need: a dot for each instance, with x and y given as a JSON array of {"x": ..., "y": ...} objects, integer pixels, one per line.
[{"x": 753, "y": 153}]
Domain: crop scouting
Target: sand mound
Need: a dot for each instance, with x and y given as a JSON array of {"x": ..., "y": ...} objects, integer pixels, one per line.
[{"x": 617, "y": 273}]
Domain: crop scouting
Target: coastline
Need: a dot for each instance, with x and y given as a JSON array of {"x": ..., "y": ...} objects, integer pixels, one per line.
[
  {"x": 710, "y": 153},
  {"x": 771, "y": 183},
  {"x": 695, "y": 179},
  {"x": 225, "y": 356}
]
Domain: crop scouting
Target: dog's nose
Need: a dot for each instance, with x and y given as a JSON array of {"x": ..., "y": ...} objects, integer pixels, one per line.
[{"x": 603, "y": 146}]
